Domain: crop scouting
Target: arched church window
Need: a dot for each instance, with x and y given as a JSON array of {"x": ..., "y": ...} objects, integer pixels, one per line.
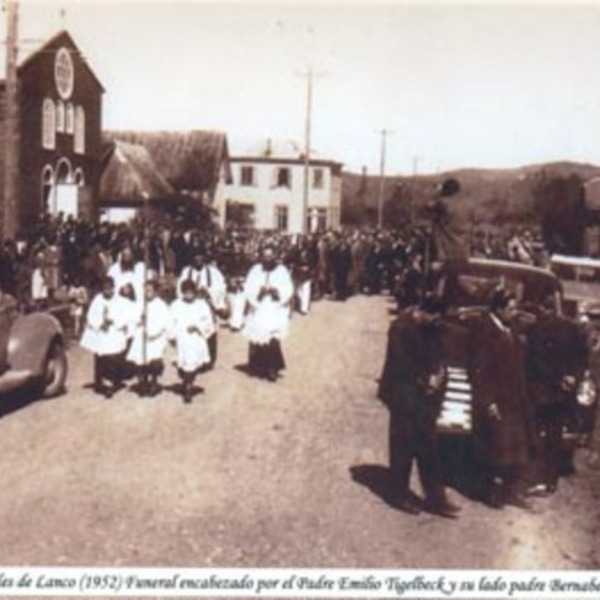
[
  {"x": 69, "y": 118},
  {"x": 49, "y": 125},
  {"x": 79, "y": 130},
  {"x": 60, "y": 116}
]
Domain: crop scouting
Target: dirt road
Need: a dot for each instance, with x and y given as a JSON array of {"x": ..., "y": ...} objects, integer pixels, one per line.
[{"x": 257, "y": 474}]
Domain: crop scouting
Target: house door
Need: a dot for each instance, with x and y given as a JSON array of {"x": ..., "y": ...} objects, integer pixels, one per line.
[
  {"x": 317, "y": 220},
  {"x": 66, "y": 195}
]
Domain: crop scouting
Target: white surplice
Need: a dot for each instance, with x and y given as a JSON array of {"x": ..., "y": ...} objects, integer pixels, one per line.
[
  {"x": 158, "y": 323},
  {"x": 116, "y": 311},
  {"x": 192, "y": 348},
  {"x": 268, "y": 318}
]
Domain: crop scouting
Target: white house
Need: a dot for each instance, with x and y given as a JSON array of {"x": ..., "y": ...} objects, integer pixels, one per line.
[{"x": 267, "y": 191}]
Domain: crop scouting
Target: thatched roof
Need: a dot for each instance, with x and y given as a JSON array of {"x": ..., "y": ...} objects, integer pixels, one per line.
[
  {"x": 130, "y": 176},
  {"x": 189, "y": 161}
]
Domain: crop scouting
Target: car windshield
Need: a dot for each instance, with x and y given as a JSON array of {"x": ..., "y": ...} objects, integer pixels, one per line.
[{"x": 473, "y": 287}]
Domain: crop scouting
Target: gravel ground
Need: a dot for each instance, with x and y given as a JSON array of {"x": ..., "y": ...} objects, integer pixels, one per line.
[{"x": 257, "y": 474}]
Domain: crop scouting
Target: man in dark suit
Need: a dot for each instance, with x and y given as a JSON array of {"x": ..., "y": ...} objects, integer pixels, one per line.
[
  {"x": 557, "y": 357},
  {"x": 411, "y": 386},
  {"x": 341, "y": 265},
  {"x": 503, "y": 430}
]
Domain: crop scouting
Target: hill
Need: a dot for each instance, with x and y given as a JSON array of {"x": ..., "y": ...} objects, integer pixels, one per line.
[{"x": 496, "y": 197}]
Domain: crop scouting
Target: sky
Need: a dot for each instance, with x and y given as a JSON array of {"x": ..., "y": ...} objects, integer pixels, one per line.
[{"x": 453, "y": 85}]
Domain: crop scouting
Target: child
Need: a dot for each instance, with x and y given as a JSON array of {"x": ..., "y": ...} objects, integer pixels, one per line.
[
  {"x": 105, "y": 336},
  {"x": 236, "y": 301},
  {"x": 78, "y": 298},
  {"x": 149, "y": 340},
  {"x": 39, "y": 285},
  {"x": 192, "y": 323}
]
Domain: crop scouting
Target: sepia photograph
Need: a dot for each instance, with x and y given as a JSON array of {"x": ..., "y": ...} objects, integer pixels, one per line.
[{"x": 300, "y": 285}]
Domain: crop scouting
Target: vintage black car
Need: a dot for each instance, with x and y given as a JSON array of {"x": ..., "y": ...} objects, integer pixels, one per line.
[
  {"x": 466, "y": 288},
  {"x": 32, "y": 351}
]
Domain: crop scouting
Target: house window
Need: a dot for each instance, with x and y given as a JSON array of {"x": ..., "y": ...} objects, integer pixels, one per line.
[
  {"x": 49, "y": 125},
  {"x": 60, "y": 116},
  {"x": 69, "y": 118},
  {"x": 247, "y": 175},
  {"x": 318, "y": 179},
  {"x": 79, "y": 130},
  {"x": 284, "y": 177},
  {"x": 281, "y": 218}
]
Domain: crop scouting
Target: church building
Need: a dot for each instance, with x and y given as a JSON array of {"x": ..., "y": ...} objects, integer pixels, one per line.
[{"x": 58, "y": 134}]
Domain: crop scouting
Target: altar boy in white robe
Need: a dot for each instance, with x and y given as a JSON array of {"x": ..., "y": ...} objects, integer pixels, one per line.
[
  {"x": 210, "y": 285},
  {"x": 149, "y": 339},
  {"x": 268, "y": 289},
  {"x": 106, "y": 336},
  {"x": 192, "y": 323}
]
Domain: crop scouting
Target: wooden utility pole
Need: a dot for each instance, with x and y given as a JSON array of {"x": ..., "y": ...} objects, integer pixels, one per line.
[
  {"x": 11, "y": 121},
  {"x": 413, "y": 189},
  {"x": 384, "y": 134},
  {"x": 307, "y": 135},
  {"x": 310, "y": 74}
]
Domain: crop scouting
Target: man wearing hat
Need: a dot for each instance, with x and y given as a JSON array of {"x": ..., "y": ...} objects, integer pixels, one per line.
[
  {"x": 412, "y": 386},
  {"x": 503, "y": 428},
  {"x": 448, "y": 240}
]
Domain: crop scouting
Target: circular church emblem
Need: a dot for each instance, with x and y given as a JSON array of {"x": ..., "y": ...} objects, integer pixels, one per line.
[{"x": 64, "y": 73}]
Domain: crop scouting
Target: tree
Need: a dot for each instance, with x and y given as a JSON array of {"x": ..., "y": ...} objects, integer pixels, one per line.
[
  {"x": 239, "y": 215},
  {"x": 397, "y": 210},
  {"x": 560, "y": 203}
]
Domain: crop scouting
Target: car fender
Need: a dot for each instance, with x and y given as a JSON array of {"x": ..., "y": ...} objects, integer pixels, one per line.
[{"x": 30, "y": 338}]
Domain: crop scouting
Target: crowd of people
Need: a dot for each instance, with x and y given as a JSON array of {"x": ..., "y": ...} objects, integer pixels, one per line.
[
  {"x": 68, "y": 258},
  {"x": 128, "y": 286},
  {"x": 131, "y": 289}
]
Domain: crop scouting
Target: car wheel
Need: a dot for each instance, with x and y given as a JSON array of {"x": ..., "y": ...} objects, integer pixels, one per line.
[{"x": 55, "y": 371}]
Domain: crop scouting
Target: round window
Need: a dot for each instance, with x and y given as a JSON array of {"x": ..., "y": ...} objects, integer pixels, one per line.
[{"x": 64, "y": 73}]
